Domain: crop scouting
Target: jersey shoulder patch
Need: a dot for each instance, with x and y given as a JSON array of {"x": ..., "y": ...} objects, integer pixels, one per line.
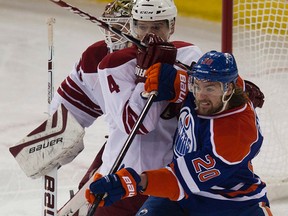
[
  {"x": 118, "y": 58},
  {"x": 92, "y": 56}
]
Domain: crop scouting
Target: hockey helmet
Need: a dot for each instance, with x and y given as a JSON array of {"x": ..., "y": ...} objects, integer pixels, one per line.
[
  {"x": 154, "y": 10},
  {"x": 216, "y": 66}
]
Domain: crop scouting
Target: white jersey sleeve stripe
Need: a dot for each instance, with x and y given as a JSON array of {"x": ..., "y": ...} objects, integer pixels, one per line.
[{"x": 238, "y": 199}]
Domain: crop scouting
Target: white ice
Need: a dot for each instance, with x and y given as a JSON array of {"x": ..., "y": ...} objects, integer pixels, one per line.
[{"x": 23, "y": 90}]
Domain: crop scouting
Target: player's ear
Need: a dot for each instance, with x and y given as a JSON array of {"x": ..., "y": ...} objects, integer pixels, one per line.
[
  {"x": 230, "y": 89},
  {"x": 172, "y": 27}
]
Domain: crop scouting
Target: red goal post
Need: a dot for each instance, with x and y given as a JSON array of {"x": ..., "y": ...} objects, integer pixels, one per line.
[
  {"x": 256, "y": 32},
  {"x": 227, "y": 25}
]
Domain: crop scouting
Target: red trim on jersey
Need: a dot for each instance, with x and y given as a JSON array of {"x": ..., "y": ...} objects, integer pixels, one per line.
[
  {"x": 81, "y": 96},
  {"x": 118, "y": 58},
  {"x": 129, "y": 119},
  {"x": 71, "y": 92},
  {"x": 92, "y": 56}
]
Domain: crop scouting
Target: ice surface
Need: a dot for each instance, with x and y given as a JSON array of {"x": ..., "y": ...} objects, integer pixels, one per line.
[{"x": 23, "y": 89}]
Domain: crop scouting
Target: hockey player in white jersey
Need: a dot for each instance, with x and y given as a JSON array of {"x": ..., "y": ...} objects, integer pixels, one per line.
[
  {"x": 80, "y": 92},
  {"x": 121, "y": 76}
]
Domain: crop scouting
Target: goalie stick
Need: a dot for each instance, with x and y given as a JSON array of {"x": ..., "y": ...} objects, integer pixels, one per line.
[
  {"x": 76, "y": 202},
  {"x": 107, "y": 27},
  {"x": 50, "y": 22},
  {"x": 49, "y": 181},
  {"x": 54, "y": 143}
]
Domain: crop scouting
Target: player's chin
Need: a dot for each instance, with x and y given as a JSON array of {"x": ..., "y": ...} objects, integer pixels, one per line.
[{"x": 204, "y": 110}]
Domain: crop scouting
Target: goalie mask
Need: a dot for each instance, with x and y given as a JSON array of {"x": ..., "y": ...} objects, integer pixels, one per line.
[
  {"x": 117, "y": 14},
  {"x": 153, "y": 10}
]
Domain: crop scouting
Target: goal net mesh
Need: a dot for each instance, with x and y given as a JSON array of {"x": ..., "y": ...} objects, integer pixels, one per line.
[{"x": 260, "y": 46}]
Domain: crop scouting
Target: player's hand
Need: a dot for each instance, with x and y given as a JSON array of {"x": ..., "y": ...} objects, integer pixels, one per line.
[
  {"x": 122, "y": 184},
  {"x": 170, "y": 84},
  {"x": 157, "y": 51},
  {"x": 254, "y": 93},
  {"x": 90, "y": 197}
]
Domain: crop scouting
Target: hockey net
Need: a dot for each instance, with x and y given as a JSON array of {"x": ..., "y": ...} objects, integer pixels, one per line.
[{"x": 260, "y": 46}]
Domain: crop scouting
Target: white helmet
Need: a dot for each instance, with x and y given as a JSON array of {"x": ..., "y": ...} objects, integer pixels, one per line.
[
  {"x": 118, "y": 15},
  {"x": 155, "y": 10}
]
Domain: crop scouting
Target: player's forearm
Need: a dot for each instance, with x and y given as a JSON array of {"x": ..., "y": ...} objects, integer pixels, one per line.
[{"x": 161, "y": 183}]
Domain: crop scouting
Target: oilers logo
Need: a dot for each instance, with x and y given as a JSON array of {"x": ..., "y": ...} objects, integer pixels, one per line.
[{"x": 185, "y": 137}]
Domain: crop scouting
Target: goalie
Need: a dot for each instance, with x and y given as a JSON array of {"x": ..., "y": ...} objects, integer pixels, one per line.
[{"x": 77, "y": 103}]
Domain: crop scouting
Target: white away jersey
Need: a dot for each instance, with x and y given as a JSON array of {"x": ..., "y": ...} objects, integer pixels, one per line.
[
  {"x": 80, "y": 92},
  {"x": 152, "y": 146}
]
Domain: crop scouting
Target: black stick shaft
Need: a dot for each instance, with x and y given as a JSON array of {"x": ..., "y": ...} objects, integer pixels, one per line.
[
  {"x": 125, "y": 148},
  {"x": 99, "y": 22},
  {"x": 104, "y": 25}
]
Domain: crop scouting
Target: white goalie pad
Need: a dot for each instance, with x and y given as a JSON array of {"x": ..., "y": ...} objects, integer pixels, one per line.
[{"x": 55, "y": 142}]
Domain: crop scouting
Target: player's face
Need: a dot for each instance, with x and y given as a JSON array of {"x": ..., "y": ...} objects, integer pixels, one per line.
[
  {"x": 208, "y": 97},
  {"x": 160, "y": 28}
]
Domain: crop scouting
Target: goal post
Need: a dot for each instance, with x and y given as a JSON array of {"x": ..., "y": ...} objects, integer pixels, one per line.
[
  {"x": 258, "y": 38},
  {"x": 227, "y": 26}
]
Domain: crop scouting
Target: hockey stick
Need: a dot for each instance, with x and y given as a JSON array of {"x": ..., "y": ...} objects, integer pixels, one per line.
[
  {"x": 50, "y": 23},
  {"x": 50, "y": 179},
  {"x": 76, "y": 202},
  {"x": 104, "y": 25},
  {"x": 99, "y": 22},
  {"x": 125, "y": 148}
]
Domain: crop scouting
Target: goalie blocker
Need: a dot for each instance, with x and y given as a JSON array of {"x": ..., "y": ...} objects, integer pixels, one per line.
[{"x": 56, "y": 142}]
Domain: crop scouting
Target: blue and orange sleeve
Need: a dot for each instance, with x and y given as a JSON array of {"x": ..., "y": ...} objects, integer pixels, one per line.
[{"x": 163, "y": 183}]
